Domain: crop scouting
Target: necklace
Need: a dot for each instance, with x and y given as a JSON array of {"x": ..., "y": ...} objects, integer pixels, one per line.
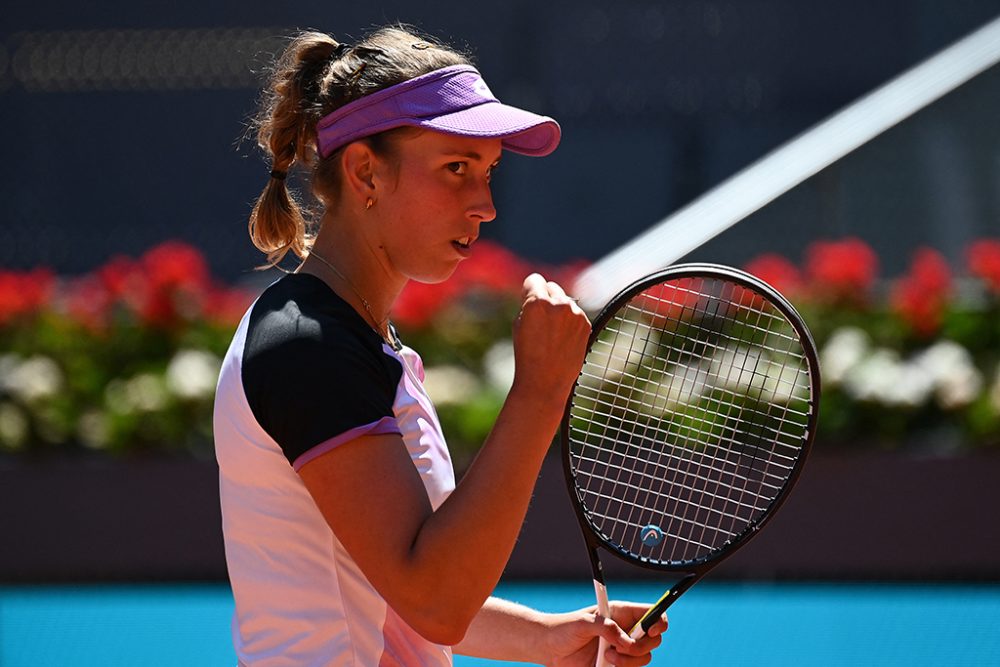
[{"x": 380, "y": 326}]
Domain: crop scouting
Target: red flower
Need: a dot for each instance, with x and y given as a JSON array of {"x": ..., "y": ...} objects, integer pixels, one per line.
[
  {"x": 984, "y": 262},
  {"x": 175, "y": 264},
  {"x": 841, "y": 270},
  {"x": 492, "y": 268},
  {"x": 88, "y": 301},
  {"x": 920, "y": 297},
  {"x": 777, "y": 272},
  {"x": 670, "y": 302},
  {"x": 168, "y": 284},
  {"x": 121, "y": 275},
  {"x": 24, "y": 293},
  {"x": 419, "y": 303},
  {"x": 226, "y": 306}
]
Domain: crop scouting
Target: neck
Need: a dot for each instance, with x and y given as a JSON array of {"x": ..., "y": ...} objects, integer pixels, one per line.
[{"x": 351, "y": 270}]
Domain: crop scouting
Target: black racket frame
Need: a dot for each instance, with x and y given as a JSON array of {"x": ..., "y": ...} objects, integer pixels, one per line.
[{"x": 694, "y": 570}]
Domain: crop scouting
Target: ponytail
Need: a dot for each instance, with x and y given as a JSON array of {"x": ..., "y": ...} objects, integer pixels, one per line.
[{"x": 286, "y": 132}]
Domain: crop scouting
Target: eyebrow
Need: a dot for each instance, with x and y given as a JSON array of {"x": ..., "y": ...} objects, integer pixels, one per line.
[{"x": 472, "y": 155}]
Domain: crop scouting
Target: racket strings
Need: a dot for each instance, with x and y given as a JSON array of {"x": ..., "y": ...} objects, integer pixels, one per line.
[
  {"x": 792, "y": 417},
  {"x": 690, "y": 414}
]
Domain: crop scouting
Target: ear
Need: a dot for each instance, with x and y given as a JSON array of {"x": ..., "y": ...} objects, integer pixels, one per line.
[{"x": 359, "y": 164}]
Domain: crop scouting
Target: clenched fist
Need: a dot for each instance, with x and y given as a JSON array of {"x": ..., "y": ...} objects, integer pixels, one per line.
[{"x": 550, "y": 340}]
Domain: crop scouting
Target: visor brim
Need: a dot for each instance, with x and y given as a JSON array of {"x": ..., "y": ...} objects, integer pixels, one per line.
[{"x": 521, "y": 131}]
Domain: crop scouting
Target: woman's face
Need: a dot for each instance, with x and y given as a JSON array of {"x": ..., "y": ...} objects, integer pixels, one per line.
[{"x": 431, "y": 200}]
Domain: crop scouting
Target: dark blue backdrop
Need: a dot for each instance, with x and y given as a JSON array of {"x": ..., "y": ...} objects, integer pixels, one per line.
[{"x": 659, "y": 101}]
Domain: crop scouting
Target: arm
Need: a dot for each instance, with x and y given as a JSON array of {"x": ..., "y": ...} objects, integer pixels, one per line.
[
  {"x": 508, "y": 631},
  {"x": 436, "y": 569}
]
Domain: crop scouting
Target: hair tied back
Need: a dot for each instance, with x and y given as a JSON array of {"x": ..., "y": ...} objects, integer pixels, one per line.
[{"x": 341, "y": 49}]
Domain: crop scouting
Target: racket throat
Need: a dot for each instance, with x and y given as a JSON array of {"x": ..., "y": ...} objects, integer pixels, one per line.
[{"x": 653, "y": 614}]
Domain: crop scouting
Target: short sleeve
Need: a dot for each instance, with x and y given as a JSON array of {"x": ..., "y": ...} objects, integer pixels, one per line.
[{"x": 316, "y": 382}]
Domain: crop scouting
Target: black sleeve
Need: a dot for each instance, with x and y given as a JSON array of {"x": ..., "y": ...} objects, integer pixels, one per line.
[{"x": 309, "y": 381}]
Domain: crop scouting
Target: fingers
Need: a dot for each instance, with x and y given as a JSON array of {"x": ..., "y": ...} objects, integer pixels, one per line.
[
  {"x": 535, "y": 286},
  {"x": 628, "y": 614},
  {"x": 550, "y": 340},
  {"x": 659, "y": 627},
  {"x": 640, "y": 652},
  {"x": 612, "y": 632}
]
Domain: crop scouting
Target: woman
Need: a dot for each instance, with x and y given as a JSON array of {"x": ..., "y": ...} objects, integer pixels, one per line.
[{"x": 347, "y": 540}]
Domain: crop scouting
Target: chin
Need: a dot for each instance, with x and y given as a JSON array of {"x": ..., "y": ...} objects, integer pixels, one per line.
[{"x": 433, "y": 278}]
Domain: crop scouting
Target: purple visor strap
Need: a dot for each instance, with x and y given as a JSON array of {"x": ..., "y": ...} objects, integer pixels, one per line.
[{"x": 454, "y": 100}]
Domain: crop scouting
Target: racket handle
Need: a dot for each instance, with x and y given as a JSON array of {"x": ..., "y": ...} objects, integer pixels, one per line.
[
  {"x": 653, "y": 614},
  {"x": 604, "y": 610}
]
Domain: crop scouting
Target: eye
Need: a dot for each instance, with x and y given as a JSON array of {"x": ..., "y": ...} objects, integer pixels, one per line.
[
  {"x": 492, "y": 170},
  {"x": 458, "y": 167}
]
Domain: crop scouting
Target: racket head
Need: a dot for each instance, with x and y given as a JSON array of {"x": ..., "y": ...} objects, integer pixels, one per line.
[{"x": 692, "y": 416}]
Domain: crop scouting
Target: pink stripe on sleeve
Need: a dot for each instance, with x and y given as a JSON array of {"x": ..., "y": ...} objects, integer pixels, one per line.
[{"x": 381, "y": 427}]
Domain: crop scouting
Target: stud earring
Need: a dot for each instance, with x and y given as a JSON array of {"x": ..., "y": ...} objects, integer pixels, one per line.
[{"x": 369, "y": 203}]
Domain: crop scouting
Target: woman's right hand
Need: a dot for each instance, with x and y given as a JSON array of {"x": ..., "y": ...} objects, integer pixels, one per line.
[{"x": 550, "y": 340}]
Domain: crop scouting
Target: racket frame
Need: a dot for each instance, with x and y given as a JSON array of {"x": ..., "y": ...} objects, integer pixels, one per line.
[{"x": 691, "y": 571}]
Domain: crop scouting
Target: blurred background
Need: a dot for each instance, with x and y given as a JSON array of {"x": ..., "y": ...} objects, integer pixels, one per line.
[{"x": 125, "y": 264}]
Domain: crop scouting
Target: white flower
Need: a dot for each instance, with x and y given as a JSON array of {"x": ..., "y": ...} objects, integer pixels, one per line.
[
  {"x": 884, "y": 378},
  {"x": 624, "y": 349},
  {"x": 193, "y": 374},
  {"x": 786, "y": 381},
  {"x": 92, "y": 429},
  {"x": 13, "y": 426},
  {"x": 845, "y": 349},
  {"x": 143, "y": 393},
  {"x": 449, "y": 384},
  {"x": 33, "y": 379},
  {"x": 498, "y": 362},
  {"x": 680, "y": 384},
  {"x": 8, "y": 364},
  {"x": 147, "y": 392},
  {"x": 995, "y": 391},
  {"x": 956, "y": 379},
  {"x": 741, "y": 370}
]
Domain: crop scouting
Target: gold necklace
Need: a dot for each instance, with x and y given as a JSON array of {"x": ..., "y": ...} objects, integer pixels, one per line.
[{"x": 379, "y": 327}]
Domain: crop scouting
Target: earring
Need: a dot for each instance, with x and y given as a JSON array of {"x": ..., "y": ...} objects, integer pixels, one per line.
[{"x": 369, "y": 203}]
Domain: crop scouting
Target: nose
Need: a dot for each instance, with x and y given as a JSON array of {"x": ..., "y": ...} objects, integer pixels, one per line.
[{"x": 482, "y": 209}]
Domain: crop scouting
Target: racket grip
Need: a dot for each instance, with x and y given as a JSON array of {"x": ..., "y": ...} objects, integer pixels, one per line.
[
  {"x": 604, "y": 610},
  {"x": 653, "y": 614}
]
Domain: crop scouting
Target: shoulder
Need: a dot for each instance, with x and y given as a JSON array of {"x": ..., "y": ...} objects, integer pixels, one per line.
[
  {"x": 300, "y": 315},
  {"x": 312, "y": 369}
]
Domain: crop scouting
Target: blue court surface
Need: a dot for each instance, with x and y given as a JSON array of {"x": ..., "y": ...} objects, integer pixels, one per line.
[{"x": 714, "y": 623}]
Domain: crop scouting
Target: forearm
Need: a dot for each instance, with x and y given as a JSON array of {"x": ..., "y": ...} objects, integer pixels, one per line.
[
  {"x": 506, "y": 631},
  {"x": 468, "y": 540}
]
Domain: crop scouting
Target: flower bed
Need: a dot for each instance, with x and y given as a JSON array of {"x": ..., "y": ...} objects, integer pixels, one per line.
[
  {"x": 125, "y": 358},
  {"x": 911, "y": 362}
]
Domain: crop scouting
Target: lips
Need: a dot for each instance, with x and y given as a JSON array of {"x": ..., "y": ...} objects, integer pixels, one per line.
[{"x": 463, "y": 245}]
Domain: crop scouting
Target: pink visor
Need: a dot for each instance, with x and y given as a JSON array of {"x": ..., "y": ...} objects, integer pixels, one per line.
[{"x": 453, "y": 100}]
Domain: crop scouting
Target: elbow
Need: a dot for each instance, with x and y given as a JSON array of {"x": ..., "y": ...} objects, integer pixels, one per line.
[
  {"x": 441, "y": 626},
  {"x": 444, "y": 634}
]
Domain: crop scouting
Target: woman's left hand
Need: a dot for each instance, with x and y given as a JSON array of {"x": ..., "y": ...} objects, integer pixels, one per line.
[{"x": 573, "y": 637}]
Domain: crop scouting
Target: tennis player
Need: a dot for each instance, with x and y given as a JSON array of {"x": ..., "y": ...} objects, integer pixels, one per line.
[{"x": 347, "y": 540}]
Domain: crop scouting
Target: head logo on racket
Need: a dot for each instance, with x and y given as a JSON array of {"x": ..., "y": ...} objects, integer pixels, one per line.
[{"x": 651, "y": 535}]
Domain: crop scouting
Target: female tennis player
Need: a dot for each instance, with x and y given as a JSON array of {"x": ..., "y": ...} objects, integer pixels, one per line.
[{"x": 347, "y": 540}]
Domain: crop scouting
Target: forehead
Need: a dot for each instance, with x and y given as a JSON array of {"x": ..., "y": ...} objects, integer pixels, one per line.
[{"x": 431, "y": 144}]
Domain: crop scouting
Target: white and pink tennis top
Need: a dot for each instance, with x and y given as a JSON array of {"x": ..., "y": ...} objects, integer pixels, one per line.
[{"x": 303, "y": 375}]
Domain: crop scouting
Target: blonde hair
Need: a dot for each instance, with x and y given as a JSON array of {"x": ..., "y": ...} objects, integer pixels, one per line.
[{"x": 312, "y": 77}]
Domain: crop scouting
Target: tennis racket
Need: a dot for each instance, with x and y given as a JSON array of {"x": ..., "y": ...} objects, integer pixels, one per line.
[{"x": 689, "y": 423}]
